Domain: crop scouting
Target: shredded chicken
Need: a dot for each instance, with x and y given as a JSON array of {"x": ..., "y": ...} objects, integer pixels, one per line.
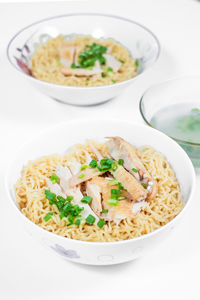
[
  {"x": 112, "y": 62},
  {"x": 120, "y": 149}
]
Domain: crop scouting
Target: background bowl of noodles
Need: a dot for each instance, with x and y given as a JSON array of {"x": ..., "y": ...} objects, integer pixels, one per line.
[
  {"x": 170, "y": 165},
  {"x": 134, "y": 40}
]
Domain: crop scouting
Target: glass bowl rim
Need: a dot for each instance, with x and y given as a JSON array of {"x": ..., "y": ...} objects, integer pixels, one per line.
[
  {"x": 159, "y": 84},
  {"x": 83, "y": 14}
]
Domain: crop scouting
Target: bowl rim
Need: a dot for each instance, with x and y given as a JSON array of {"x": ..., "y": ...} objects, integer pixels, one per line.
[
  {"x": 142, "y": 237},
  {"x": 178, "y": 78},
  {"x": 84, "y": 14}
]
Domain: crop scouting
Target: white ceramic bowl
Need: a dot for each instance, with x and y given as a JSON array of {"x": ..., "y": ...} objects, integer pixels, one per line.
[
  {"x": 141, "y": 42},
  {"x": 64, "y": 136}
]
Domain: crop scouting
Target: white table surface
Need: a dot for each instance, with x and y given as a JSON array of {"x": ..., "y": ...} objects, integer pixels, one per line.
[{"x": 27, "y": 271}]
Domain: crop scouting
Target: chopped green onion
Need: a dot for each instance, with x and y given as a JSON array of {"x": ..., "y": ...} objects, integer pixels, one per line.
[
  {"x": 91, "y": 54},
  {"x": 113, "y": 182},
  {"x": 144, "y": 185},
  {"x": 120, "y": 186},
  {"x": 50, "y": 196},
  {"x": 70, "y": 219},
  {"x": 58, "y": 63},
  {"x": 122, "y": 61},
  {"x": 134, "y": 170},
  {"x": 103, "y": 75},
  {"x": 48, "y": 216},
  {"x": 112, "y": 202},
  {"x": 93, "y": 163},
  {"x": 109, "y": 69},
  {"x": 61, "y": 199},
  {"x": 114, "y": 166},
  {"x": 54, "y": 178},
  {"x": 115, "y": 192},
  {"x": 121, "y": 162},
  {"x": 83, "y": 167},
  {"x": 81, "y": 176},
  {"x": 86, "y": 199},
  {"x": 69, "y": 198},
  {"x": 113, "y": 81},
  {"x": 136, "y": 63},
  {"x": 90, "y": 219},
  {"x": 101, "y": 223},
  {"x": 73, "y": 66},
  {"x": 78, "y": 222},
  {"x": 104, "y": 211}
]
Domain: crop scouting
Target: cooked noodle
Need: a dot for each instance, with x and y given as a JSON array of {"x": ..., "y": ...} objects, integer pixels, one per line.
[
  {"x": 44, "y": 63},
  {"x": 33, "y": 204}
]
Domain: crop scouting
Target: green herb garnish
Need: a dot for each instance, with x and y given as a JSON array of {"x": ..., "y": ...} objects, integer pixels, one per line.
[
  {"x": 48, "y": 216},
  {"x": 91, "y": 54},
  {"x": 101, "y": 223},
  {"x": 81, "y": 175},
  {"x": 114, "y": 166},
  {"x": 90, "y": 219},
  {"x": 50, "y": 196},
  {"x": 121, "y": 162},
  {"x": 73, "y": 66},
  {"x": 65, "y": 207},
  {"x": 113, "y": 81},
  {"x": 78, "y": 222},
  {"x": 115, "y": 192},
  {"x": 113, "y": 182},
  {"x": 103, "y": 75},
  {"x": 86, "y": 199},
  {"x": 58, "y": 63},
  {"x": 144, "y": 185},
  {"x": 83, "y": 167},
  {"x": 69, "y": 198},
  {"x": 70, "y": 219},
  {"x": 112, "y": 202},
  {"x": 134, "y": 170},
  {"x": 54, "y": 178},
  {"x": 104, "y": 211},
  {"x": 93, "y": 163},
  {"x": 136, "y": 63},
  {"x": 109, "y": 69},
  {"x": 122, "y": 61}
]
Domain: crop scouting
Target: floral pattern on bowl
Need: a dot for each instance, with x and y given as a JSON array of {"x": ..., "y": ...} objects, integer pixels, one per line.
[{"x": 66, "y": 253}]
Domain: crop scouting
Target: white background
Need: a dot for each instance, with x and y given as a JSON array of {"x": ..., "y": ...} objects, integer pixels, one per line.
[{"x": 27, "y": 271}]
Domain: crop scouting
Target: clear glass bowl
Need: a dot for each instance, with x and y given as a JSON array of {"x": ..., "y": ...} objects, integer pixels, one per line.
[
  {"x": 140, "y": 41},
  {"x": 172, "y": 92}
]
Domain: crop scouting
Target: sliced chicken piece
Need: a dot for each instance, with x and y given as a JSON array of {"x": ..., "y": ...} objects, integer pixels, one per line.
[
  {"x": 55, "y": 188},
  {"x": 100, "y": 190},
  {"x": 112, "y": 62},
  {"x": 64, "y": 174},
  {"x": 130, "y": 183},
  {"x": 93, "y": 190},
  {"x": 120, "y": 149},
  {"x": 79, "y": 72},
  {"x": 94, "y": 150},
  {"x": 74, "y": 166},
  {"x": 67, "y": 53},
  {"x": 83, "y": 176},
  {"x": 88, "y": 158},
  {"x": 77, "y": 53}
]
